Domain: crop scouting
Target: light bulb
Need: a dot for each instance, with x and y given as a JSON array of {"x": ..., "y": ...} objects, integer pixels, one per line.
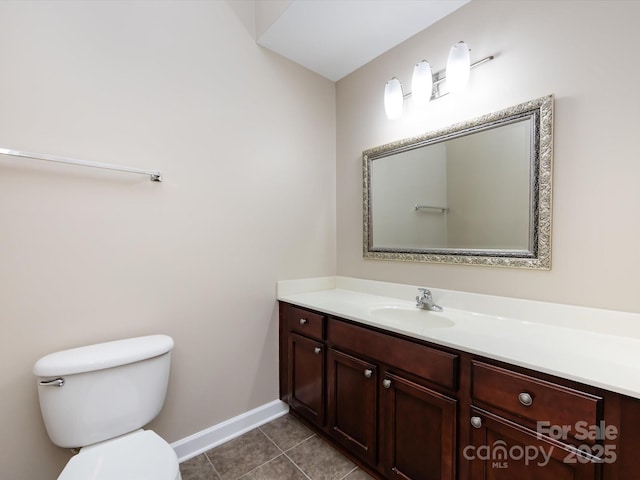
[
  {"x": 393, "y": 99},
  {"x": 421, "y": 83},
  {"x": 458, "y": 67}
]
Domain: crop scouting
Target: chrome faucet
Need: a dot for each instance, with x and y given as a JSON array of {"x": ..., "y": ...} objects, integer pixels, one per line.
[{"x": 425, "y": 301}]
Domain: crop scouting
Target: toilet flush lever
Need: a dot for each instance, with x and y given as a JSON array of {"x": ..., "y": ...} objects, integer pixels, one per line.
[{"x": 56, "y": 382}]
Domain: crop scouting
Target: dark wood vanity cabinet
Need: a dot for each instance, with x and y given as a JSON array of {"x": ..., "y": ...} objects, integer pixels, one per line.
[
  {"x": 419, "y": 426},
  {"x": 527, "y": 427},
  {"x": 387, "y": 401},
  {"x": 382, "y": 404},
  {"x": 504, "y": 450},
  {"x": 352, "y": 399},
  {"x": 306, "y": 377},
  {"x": 407, "y": 409},
  {"x": 389, "y": 421},
  {"x": 305, "y": 365}
]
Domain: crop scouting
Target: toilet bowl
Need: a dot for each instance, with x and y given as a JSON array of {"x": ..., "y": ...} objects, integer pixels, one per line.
[
  {"x": 98, "y": 398},
  {"x": 140, "y": 455}
]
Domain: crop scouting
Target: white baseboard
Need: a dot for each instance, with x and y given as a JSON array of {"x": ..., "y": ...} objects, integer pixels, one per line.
[{"x": 211, "y": 437}]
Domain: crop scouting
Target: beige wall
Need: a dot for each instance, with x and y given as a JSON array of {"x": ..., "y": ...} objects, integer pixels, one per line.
[
  {"x": 246, "y": 142},
  {"x": 582, "y": 52}
]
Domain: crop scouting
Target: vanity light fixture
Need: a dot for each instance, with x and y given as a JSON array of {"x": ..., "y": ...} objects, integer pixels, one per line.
[
  {"x": 393, "y": 98},
  {"x": 422, "y": 83},
  {"x": 426, "y": 85},
  {"x": 458, "y": 67}
]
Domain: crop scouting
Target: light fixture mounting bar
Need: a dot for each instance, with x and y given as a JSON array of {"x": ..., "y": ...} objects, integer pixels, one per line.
[{"x": 440, "y": 76}]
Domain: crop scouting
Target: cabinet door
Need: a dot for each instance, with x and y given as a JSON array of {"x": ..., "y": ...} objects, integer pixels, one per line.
[
  {"x": 351, "y": 403},
  {"x": 503, "y": 450},
  {"x": 306, "y": 377},
  {"x": 419, "y": 431}
]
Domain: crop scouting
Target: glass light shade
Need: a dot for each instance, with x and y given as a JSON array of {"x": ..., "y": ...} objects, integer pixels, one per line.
[
  {"x": 421, "y": 83},
  {"x": 458, "y": 67},
  {"x": 393, "y": 99}
]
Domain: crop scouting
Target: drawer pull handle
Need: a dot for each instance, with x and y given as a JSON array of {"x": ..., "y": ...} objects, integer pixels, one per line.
[
  {"x": 476, "y": 422},
  {"x": 525, "y": 399},
  {"x": 386, "y": 383},
  {"x": 317, "y": 350},
  {"x": 367, "y": 373},
  {"x": 303, "y": 321}
]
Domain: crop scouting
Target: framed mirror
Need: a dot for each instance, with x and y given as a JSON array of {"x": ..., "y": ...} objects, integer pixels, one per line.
[{"x": 478, "y": 192}]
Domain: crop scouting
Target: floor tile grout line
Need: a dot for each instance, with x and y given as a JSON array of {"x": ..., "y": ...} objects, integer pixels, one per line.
[
  {"x": 296, "y": 465},
  {"x": 215, "y": 470},
  {"x": 284, "y": 452},
  {"x": 355, "y": 467},
  {"x": 270, "y": 460},
  {"x": 291, "y": 447},
  {"x": 260, "y": 466},
  {"x": 263, "y": 463},
  {"x": 301, "y": 442},
  {"x": 271, "y": 440},
  {"x": 349, "y": 473}
]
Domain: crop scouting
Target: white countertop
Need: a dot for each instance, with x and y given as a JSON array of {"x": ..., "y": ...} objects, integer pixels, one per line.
[{"x": 593, "y": 346}]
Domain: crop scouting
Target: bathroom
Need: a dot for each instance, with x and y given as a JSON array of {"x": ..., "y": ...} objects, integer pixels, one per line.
[{"x": 262, "y": 168}]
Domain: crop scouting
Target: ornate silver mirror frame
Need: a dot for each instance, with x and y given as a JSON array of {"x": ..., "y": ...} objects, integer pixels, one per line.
[{"x": 537, "y": 253}]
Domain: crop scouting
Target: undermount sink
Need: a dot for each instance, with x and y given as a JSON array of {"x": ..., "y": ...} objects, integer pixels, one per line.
[{"x": 397, "y": 313}]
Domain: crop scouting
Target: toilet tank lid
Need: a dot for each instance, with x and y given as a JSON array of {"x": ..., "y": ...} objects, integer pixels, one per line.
[{"x": 102, "y": 355}]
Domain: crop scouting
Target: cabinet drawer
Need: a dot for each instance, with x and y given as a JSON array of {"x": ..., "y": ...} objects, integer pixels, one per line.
[
  {"x": 434, "y": 365},
  {"x": 306, "y": 322},
  {"x": 534, "y": 399}
]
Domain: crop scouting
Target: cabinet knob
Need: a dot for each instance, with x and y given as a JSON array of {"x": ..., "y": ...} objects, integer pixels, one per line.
[
  {"x": 303, "y": 321},
  {"x": 476, "y": 422},
  {"x": 367, "y": 373},
  {"x": 525, "y": 399},
  {"x": 317, "y": 350},
  {"x": 386, "y": 383}
]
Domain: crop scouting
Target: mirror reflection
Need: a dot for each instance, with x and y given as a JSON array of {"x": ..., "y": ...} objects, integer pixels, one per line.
[{"x": 477, "y": 192}]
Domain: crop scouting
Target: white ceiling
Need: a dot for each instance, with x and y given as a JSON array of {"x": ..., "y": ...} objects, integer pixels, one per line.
[{"x": 335, "y": 37}]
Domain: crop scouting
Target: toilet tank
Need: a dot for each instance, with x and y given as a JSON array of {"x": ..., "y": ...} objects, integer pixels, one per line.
[{"x": 109, "y": 389}]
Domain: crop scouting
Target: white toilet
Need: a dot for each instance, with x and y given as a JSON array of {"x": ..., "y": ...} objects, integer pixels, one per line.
[{"x": 98, "y": 398}]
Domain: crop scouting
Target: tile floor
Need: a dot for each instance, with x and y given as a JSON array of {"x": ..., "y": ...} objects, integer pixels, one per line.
[{"x": 283, "y": 449}]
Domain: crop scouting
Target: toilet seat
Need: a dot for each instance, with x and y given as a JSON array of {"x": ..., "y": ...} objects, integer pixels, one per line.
[{"x": 141, "y": 455}]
